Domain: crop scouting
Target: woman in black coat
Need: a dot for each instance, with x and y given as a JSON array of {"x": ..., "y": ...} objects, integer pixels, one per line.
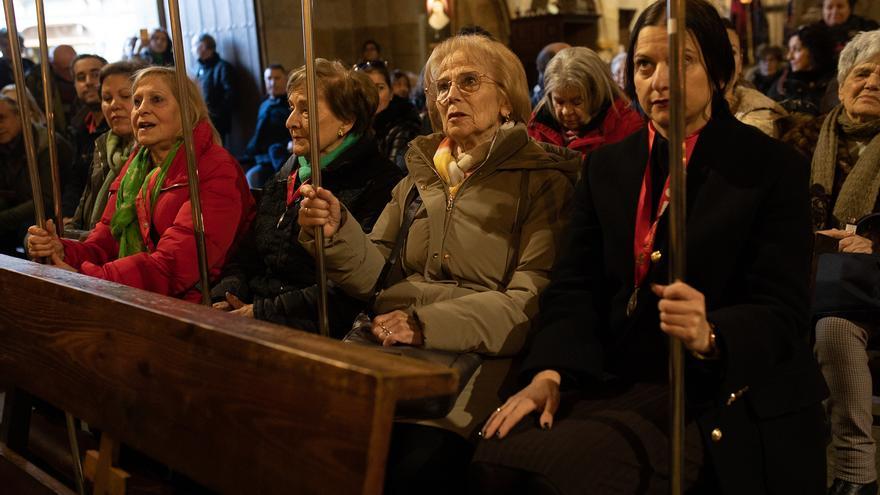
[
  {"x": 272, "y": 277},
  {"x": 753, "y": 390}
]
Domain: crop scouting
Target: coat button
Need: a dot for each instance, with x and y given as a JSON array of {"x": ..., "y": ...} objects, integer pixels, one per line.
[
  {"x": 716, "y": 435},
  {"x": 446, "y": 256},
  {"x": 656, "y": 256},
  {"x": 434, "y": 256},
  {"x": 423, "y": 187}
]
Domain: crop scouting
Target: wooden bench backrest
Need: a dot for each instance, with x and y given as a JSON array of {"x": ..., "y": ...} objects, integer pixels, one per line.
[{"x": 238, "y": 405}]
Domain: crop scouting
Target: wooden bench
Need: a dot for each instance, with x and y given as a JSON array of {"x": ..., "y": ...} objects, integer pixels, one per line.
[{"x": 237, "y": 405}]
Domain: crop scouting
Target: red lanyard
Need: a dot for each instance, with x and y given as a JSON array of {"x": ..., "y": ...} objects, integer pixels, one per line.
[
  {"x": 293, "y": 193},
  {"x": 646, "y": 230}
]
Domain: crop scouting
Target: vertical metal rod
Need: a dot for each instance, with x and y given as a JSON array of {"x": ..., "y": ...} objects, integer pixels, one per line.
[
  {"x": 74, "y": 450},
  {"x": 314, "y": 157},
  {"x": 48, "y": 100},
  {"x": 177, "y": 44},
  {"x": 24, "y": 113},
  {"x": 677, "y": 32}
]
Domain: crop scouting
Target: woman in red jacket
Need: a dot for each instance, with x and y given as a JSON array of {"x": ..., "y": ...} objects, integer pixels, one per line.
[
  {"x": 145, "y": 238},
  {"x": 582, "y": 108}
]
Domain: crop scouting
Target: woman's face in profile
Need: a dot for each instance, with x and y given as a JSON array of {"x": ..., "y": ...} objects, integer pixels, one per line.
[
  {"x": 383, "y": 89},
  {"x": 298, "y": 123},
  {"x": 798, "y": 55},
  {"x": 651, "y": 79}
]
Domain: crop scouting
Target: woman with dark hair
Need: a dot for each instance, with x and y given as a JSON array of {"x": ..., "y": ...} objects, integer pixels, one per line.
[
  {"x": 112, "y": 148},
  {"x": 753, "y": 396},
  {"x": 272, "y": 278},
  {"x": 811, "y": 67},
  {"x": 158, "y": 49},
  {"x": 842, "y": 23},
  {"x": 396, "y": 122}
]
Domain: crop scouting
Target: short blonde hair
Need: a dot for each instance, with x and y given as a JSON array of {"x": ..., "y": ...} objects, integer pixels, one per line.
[
  {"x": 193, "y": 96},
  {"x": 501, "y": 64},
  {"x": 581, "y": 69},
  {"x": 11, "y": 97}
]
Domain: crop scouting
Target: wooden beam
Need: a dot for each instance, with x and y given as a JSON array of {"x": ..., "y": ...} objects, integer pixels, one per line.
[{"x": 238, "y": 405}]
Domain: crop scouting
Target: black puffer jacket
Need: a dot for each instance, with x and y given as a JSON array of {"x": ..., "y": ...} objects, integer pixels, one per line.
[
  {"x": 395, "y": 127},
  {"x": 272, "y": 271}
]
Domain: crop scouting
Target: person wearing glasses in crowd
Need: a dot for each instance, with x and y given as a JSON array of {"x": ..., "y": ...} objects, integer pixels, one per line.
[
  {"x": 597, "y": 370},
  {"x": 396, "y": 122},
  {"x": 472, "y": 267},
  {"x": 582, "y": 107}
]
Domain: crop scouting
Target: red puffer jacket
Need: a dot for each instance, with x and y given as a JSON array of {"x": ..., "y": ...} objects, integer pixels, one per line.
[
  {"x": 619, "y": 121},
  {"x": 171, "y": 265}
]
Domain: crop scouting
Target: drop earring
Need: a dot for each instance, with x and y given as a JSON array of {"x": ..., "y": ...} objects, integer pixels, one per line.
[
  {"x": 507, "y": 123},
  {"x": 340, "y": 132}
]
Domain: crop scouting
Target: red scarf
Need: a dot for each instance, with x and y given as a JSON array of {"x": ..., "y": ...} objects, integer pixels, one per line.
[{"x": 646, "y": 230}]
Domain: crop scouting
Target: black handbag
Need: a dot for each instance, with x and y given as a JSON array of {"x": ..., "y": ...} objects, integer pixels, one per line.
[
  {"x": 848, "y": 284},
  {"x": 464, "y": 363}
]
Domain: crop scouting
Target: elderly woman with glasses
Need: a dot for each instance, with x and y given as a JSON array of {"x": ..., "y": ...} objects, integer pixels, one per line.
[
  {"x": 477, "y": 254},
  {"x": 846, "y": 187},
  {"x": 582, "y": 107}
]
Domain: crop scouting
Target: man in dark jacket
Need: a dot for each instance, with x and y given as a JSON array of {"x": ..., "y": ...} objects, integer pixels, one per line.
[
  {"x": 267, "y": 149},
  {"x": 215, "y": 77},
  {"x": 85, "y": 126}
]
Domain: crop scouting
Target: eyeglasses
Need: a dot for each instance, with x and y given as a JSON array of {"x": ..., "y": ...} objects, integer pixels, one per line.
[{"x": 466, "y": 82}]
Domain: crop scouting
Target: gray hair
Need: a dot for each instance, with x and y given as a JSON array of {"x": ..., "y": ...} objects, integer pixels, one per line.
[
  {"x": 862, "y": 47},
  {"x": 581, "y": 69}
]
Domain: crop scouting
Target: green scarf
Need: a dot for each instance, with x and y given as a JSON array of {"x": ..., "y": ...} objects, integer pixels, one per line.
[
  {"x": 305, "y": 168},
  {"x": 136, "y": 181}
]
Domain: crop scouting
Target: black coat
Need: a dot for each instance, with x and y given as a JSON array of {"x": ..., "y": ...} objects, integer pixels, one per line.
[
  {"x": 215, "y": 77},
  {"x": 273, "y": 271},
  {"x": 748, "y": 251}
]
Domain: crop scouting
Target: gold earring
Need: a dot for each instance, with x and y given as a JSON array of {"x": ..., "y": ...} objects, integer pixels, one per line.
[{"x": 340, "y": 132}]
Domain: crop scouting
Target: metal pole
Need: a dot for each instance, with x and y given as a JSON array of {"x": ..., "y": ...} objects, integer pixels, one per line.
[
  {"x": 314, "y": 157},
  {"x": 24, "y": 113},
  {"x": 31, "y": 153},
  {"x": 50, "y": 116},
  {"x": 677, "y": 32},
  {"x": 192, "y": 173}
]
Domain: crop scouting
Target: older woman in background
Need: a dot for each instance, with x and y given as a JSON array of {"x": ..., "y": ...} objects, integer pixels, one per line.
[
  {"x": 272, "y": 277},
  {"x": 16, "y": 196},
  {"x": 582, "y": 107},
  {"x": 112, "y": 148},
  {"x": 478, "y": 253},
  {"x": 145, "y": 237},
  {"x": 846, "y": 187}
]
